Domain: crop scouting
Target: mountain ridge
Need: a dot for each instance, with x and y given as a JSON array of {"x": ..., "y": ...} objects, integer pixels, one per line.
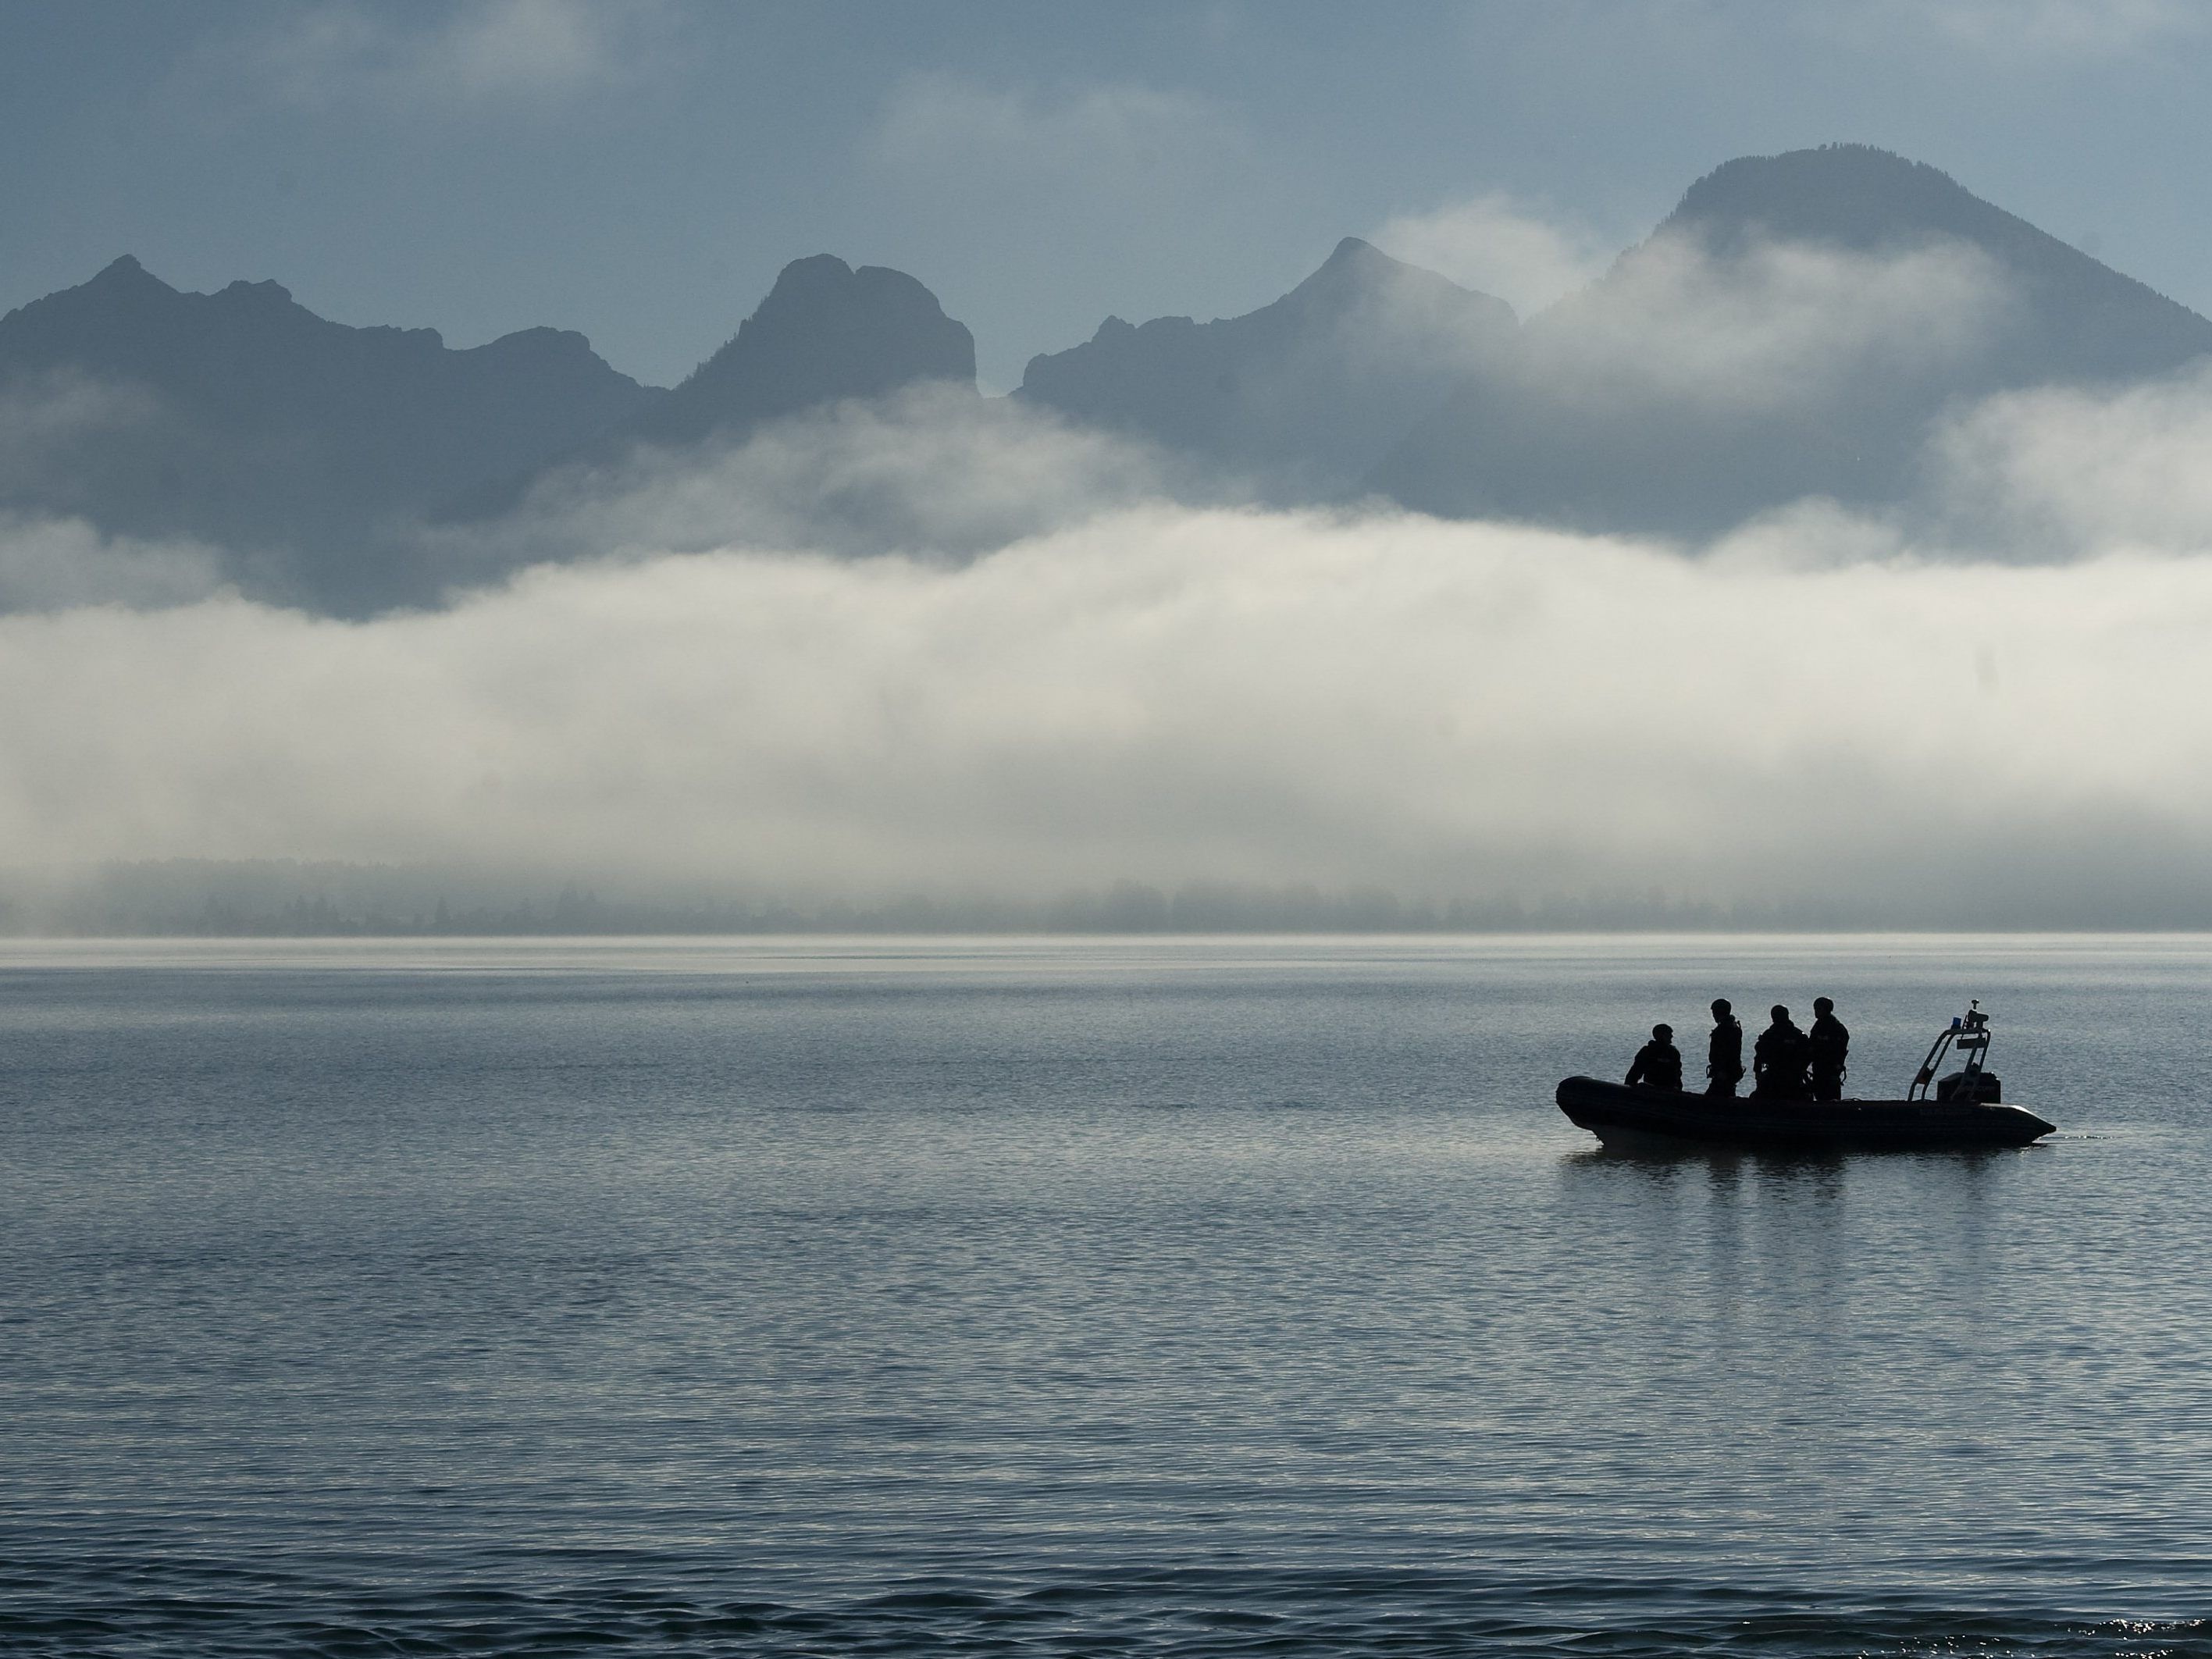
[
  {"x": 1570, "y": 435},
  {"x": 1304, "y": 393},
  {"x": 827, "y": 332},
  {"x": 250, "y": 421},
  {"x": 312, "y": 453}
]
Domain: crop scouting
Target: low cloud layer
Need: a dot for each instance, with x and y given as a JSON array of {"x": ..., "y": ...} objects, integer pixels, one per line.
[
  {"x": 1769, "y": 325},
  {"x": 1175, "y": 695},
  {"x": 934, "y": 472},
  {"x": 44, "y": 418},
  {"x": 1496, "y": 245},
  {"x": 1775, "y": 325},
  {"x": 953, "y": 647},
  {"x": 59, "y": 564},
  {"x": 2044, "y": 474}
]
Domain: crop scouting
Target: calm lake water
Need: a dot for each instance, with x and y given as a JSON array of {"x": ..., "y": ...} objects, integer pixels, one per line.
[{"x": 1155, "y": 1297}]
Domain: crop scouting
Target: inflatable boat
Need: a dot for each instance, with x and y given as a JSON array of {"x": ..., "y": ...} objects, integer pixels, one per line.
[{"x": 1963, "y": 1109}]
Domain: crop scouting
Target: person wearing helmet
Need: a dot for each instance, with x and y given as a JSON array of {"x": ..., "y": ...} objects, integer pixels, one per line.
[
  {"x": 1725, "y": 1051},
  {"x": 1658, "y": 1062},
  {"x": 1828, "y": 1042},
  {"x": 1779, "y": 1060}
]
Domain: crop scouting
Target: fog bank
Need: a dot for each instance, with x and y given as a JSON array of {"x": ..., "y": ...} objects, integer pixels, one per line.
[{"x": 1169, "y": 696}]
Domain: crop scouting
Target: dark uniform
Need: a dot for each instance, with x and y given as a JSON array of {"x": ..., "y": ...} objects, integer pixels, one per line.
[
  {"x": 1658, "y": 1062},
  {"x": 1779, "y": 1059},
  {"x": 1724, "y": 1051},
  {"x": 1828, "y": 1043}
]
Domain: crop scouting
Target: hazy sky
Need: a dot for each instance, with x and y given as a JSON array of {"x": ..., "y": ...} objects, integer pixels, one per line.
[
  {"x": 1075, "y": 663},
  {"x": 1819, "y": 708},
  {"x": 640, "y": 171}
]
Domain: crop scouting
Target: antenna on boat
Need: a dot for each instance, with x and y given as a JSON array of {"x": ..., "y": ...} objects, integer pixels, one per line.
[{"x": 1970, "y": 1034}]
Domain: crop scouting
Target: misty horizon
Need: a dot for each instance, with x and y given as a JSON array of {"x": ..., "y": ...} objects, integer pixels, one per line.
[
  {"x": 1656, "y": 616},
  {"x": 845, "y": 827}
]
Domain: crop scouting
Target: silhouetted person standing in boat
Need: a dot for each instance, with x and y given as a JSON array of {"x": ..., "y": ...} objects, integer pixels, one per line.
[
  {"x": 1779, "y": 1060},
  {"x": 1829, "y": 1042},
  {"x": 1725, "y": 1051},
  {"x": 1658, "y": 1062}
]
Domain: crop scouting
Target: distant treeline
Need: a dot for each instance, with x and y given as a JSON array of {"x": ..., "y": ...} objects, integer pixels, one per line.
[{"x": 283, "y": 898}]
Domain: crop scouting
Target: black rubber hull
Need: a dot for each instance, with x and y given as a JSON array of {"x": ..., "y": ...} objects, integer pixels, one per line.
[{"x": 1625, "y": 1117}]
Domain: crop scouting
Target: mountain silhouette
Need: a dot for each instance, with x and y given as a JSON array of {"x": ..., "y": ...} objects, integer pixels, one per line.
[
  {"x": 1798, "y": 326},
  {"x": 1303, "y": 396},
  {"x": 243, "y": 419},
  {"x": 2082, "y": 319},
  {"x": 1794, "y": 328},
  {"x": 826, "y": 333}
]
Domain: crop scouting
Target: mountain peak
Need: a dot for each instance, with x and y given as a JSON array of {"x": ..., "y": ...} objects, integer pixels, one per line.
[
  {"x": 1355, "y": 267},
  {"x": 124, "y": 274},
  {"x": 1302, "y": 395},
  {"x": 1853, "y": 195},
  {"x": 267, "y": 293},
  {"x": 1598, "y": 450},
  {"x": 815, "y": 271},
  {"x": 1357, "y": 276},
  {"x": 1354, "y": 251},
  {"x": 292, "y": 442},
  {"x": 2095, "y": 322},
  {"x": 823, "y": 283},
  {"x": 827, "y": 331}
]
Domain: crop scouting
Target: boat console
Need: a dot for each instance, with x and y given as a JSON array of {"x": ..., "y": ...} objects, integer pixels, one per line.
[{"x": 1968, "y": 1037}]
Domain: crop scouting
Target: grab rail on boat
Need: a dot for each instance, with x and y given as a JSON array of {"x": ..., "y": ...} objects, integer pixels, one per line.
[{"x": 1970, "y": 1035}]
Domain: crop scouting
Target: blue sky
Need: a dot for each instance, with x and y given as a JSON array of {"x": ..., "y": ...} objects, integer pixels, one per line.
[{"x": 640, "y": 171}]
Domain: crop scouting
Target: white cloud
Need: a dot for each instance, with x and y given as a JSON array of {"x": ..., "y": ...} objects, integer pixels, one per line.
[
  {"x": 1499, "y": 246},
  {"x": 531, "y": 45},
  {"x": 1170, "y": 695},
  {"x": 57, "y": 564},
  {"x": 465, "y": 55},
  {"x": 1106, "y": 139},
  {"x": 55, "y": 429},
  {"x": 1777, "y": 324},
  {"x": 935, "y": 472},
  {"x": 1816, "y": 534},
  {"x": 2058, "y": 29},
  {"x": 2053, "y": 471},
  {"x": 45, "y": 418}
]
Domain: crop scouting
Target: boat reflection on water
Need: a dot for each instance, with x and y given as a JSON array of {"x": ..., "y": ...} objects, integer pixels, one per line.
[{"x": 1962, "y": 1109}]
